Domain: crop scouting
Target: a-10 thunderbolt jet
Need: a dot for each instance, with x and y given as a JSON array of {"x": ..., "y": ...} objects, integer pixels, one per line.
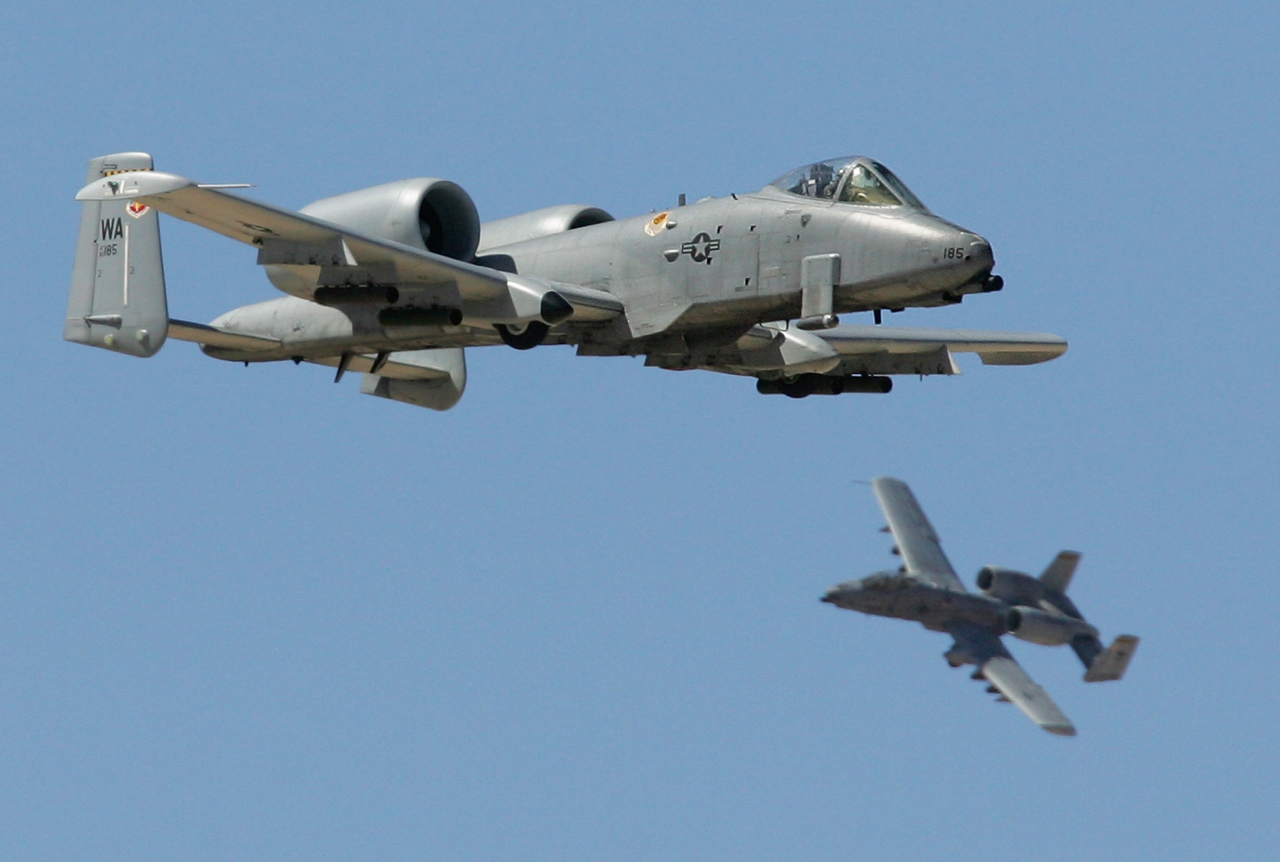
[
  {"x": 396, "y": 280},
  {"x": 926, "y": 589}
]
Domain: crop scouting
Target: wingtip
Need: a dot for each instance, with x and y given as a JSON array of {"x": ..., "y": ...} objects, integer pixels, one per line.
[{"x": 1060, "y": 729}]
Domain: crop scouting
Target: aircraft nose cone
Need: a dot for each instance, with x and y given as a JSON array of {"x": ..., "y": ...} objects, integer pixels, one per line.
[{"x": 978, "y": 251}]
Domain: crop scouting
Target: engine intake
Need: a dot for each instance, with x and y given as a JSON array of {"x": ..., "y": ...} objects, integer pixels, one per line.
[
  {"x": 425, "y": 213},
  {"x": 1016, "y": 588}
]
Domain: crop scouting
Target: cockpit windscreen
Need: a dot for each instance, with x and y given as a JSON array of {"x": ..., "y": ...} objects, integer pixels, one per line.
[
  {"x": 898, "y": 186},
  {"x": 818, "y": 180},
  {"x": 861, "y": 186},
  {"x": 851, "y": 180}
]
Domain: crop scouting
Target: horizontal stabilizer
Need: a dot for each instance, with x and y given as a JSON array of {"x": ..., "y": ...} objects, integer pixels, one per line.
[
  {"x": 434, "y": 379},
  {"x": 1112, "y": 663}
]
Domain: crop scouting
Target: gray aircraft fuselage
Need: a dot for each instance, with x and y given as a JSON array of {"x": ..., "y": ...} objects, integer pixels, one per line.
[
  {"x": 737, "y": 261},
  {"x": 897, "y": 595},
  {"x": 693, "y": 279},
  {"x": 749, "y": 285}
]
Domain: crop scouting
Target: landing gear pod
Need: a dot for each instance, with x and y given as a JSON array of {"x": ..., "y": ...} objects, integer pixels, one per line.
[
  {"x": 117, "y": 297},
  {"x": 434, "y": 378}
]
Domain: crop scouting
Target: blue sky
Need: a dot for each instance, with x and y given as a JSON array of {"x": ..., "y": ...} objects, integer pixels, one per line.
[{"x": 249, "y": 614}]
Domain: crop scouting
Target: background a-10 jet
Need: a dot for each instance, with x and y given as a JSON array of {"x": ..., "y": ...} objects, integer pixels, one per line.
[
  {"x": 926, "y": 590},
  {"x": 396, "y": 280}
]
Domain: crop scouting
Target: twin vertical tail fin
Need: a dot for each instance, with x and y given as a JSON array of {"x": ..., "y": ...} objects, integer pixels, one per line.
[
  {"x": 1057, "y": 576},
  {"x": 1100, "y": 665},
  {"x": 117, "y": 288},
  {"x": 1104, "y": 665},
  {"x": 1112, "y": 664}
]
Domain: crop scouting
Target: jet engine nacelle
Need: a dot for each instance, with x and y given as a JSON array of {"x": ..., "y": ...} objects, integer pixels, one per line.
[
  {"x": 540, "y": 223},
  {"x": 424, "y": 213},
  {"x": 1007, "y": 585},
  {"x": 1046, "y": 629}
]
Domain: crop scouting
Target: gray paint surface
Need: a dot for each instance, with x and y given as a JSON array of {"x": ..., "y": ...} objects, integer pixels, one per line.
[
  {"x": 117, "y": 296},
  {"x": 749, "y": 285}
]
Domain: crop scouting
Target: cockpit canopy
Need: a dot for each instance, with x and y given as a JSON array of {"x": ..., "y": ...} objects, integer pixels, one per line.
[{"x": 850, "y": 180}]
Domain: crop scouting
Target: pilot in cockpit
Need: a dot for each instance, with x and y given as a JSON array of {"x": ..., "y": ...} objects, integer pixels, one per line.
[
  {"x": 851, "y": 180},
  {"x": 829, "y": 191}
]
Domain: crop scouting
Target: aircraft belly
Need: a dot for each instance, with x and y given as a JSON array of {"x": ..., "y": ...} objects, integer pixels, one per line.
[
  {"x": 891, "y": 293},
  {"x": 976, "y": 610},
  {"x": 303, "y": 328},
  {"x": 937, "y": 609},
  {"x": 744, "y": 311}
]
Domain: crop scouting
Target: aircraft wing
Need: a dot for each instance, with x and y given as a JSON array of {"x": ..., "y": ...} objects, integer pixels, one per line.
[
  {"x": 1006, "y": 676},
  {"x": 914, "y": 535},
  {"x": 292, "y": 236},
  {"x": 202, "y": 333},
  {"x": 894, "y": 350}
]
